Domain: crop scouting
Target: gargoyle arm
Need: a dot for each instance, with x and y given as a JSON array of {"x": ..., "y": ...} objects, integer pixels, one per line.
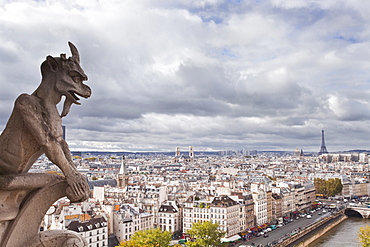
[{"x": 53, "y": 146}]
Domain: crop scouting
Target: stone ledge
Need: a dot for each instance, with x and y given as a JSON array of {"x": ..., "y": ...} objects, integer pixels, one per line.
[{"x": 26, "y": 198}]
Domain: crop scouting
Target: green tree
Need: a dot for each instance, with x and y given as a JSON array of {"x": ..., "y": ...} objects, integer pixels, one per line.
[
  {"x": 206, "y": 234},
  {"x": 320, "y": 186},
  {"x": 329, "y": 187},
  {"x": 364, "y": 236},
  {"x": 149, "y": 238},
  {"x": 334, "y": 186}
]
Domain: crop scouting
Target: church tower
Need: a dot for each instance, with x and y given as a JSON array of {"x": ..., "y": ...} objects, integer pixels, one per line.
[
  {"x": 191, "y": 153},
  {"x": 123, "y": 174},
  {"x": 177, "y": 155}
]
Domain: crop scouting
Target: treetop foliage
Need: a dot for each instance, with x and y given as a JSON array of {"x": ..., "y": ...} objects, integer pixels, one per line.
[
  {"x": 206, "y": 234},
  {"x": 330, "y": 187},
  {"x": 364, "y": 236},
  {"x": 149, "y": 238}
]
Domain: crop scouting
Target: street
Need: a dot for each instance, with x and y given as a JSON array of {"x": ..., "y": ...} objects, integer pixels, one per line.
[{"x": 285, "y": 230}]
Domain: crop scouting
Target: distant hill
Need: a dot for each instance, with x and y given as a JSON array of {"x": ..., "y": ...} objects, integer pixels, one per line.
[
  {"x": 102, "y": 153},
  {"x": 357, "y": 151}
]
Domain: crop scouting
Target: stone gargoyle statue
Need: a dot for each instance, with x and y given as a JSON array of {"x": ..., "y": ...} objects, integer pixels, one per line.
[
  {"x": 35, "y": 125},
  {"x": 35, "y": 128}
]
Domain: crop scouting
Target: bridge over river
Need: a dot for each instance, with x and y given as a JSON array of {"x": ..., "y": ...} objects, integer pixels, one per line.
[{"x": 358, "y": 210}]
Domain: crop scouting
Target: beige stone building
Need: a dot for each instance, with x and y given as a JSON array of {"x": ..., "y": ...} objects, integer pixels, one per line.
[
  {"x": 220, "y": 209},
  {"x": 246, "y": 204},
  {"x": 277, "y": 210},
  {"x": 170, "y": 217},
  {"x": 269, "y": 205}
]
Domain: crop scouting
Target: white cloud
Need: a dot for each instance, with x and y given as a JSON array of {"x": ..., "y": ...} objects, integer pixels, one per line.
[{"x": 212, "y": 74}]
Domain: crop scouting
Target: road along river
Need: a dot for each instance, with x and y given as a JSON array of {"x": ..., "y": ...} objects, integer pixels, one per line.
[{"x": 343, "y": 235}]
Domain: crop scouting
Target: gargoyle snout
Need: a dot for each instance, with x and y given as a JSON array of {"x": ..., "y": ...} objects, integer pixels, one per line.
[{"x": 88, "y": 92}]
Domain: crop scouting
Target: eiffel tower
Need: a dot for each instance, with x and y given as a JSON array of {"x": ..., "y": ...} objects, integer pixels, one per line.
[{"x": 323, "y": 147}]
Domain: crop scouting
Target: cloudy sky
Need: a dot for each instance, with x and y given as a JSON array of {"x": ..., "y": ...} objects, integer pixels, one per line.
[{"x": 217, "y": 75}]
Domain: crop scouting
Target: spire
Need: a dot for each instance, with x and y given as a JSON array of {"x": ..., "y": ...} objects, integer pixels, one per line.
[
  {"x": 323, "y": 147},
  {"x": 123, "y": 168},
  {"x": 122, "y": 178}
]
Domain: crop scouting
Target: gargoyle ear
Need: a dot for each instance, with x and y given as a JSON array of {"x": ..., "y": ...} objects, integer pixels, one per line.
[{"x": 52, "y": 63}]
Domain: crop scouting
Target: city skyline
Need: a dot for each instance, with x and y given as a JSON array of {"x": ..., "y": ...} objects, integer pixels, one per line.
[{"x": 216, "y": 75}]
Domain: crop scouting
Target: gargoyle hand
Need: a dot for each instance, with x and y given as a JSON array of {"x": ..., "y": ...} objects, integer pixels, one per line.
[{"x": 78, "y": 189}]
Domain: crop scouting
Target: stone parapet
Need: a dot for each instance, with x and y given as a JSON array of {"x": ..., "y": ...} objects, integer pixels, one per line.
[{"x": 24, "y": 201}]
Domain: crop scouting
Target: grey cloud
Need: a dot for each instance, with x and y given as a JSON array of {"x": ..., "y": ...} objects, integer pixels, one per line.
[{"x": 216, "y": 75}]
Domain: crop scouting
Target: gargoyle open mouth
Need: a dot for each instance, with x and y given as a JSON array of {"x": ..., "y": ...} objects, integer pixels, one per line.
[
  {"x": 72, "y": 95},
  {"x": 71, "y": 98}
]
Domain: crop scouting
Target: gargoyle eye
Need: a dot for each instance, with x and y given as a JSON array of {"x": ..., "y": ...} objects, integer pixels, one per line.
[{"x": 76, "y": 79}]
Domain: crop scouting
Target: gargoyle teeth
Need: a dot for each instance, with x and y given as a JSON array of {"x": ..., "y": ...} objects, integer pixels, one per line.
[{"x": 74, "y": 97}]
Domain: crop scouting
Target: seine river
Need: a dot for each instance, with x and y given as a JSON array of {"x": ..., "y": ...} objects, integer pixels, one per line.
[{"x": 345, "y": 234}]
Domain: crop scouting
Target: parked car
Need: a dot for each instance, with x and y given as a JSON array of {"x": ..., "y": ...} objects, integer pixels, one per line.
[
  {"x": 309, "y": 216},
  {"x": 265, "y": 236}
]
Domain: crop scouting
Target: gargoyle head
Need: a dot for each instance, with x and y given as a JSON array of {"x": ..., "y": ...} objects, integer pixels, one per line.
[{"x": 68, "y": 77}]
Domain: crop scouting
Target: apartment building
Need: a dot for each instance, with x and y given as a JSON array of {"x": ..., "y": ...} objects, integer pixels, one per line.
[
  {"x": 246, "y": 207},
  {"x": 95, "y": 231},
  {"x": 260, "y": 206},
  {"x": 126, "y": 221},
  {"x": 277, "y": 210},
  {"x": 220, "y": 209},
  {"x": 170, "y": 217}
]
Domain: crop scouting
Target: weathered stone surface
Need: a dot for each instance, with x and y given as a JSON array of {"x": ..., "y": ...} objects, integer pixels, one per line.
[
  {"x": 63, "y": 238},
  {"x": 24, "y": 229},
  {"x": 35, "y": 128},
  {"x": 35, "y": 125}
]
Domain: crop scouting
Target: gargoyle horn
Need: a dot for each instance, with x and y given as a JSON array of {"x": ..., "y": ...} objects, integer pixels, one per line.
[{"x": 74, "y": 51}]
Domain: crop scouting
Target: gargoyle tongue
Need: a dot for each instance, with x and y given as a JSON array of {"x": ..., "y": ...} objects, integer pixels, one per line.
[{"x": 67, "y": 105}]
